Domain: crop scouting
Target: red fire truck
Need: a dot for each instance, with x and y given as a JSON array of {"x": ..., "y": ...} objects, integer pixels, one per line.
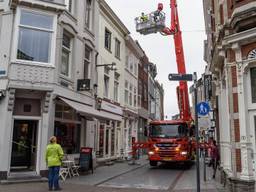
[{"x": 169, "y": 140}]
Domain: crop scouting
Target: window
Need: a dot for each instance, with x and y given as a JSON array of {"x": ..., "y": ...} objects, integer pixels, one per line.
[
  {"x": 35, "y": 37},
  {"x": 130, "y": 95},
  {"x": 135, "y": 69},
  {"x": 106, "y": 86},
  {"x": 87, "y": 61},
  {"x": 69, "y": 5},
  {"x": 253, "y": 84},
  {"x": 67, "y": 133},
  {"x": 131, "y": 66},
  {"x": 88, "y": 13},
  {"x": 116, "y": 87},
  {"x": 135, "y": 97},
  {"x": 255, "y": 126},
  {"x": 127, "y": 62},
  {"x": 126, "y": 92},
  {"x": 66, "y": 55},
  {"x": 107, "y": 39},
  {"x": 117, "y": 49},
  {"x": 116, "y": 84},
  {"x": 139, "y": 101}
]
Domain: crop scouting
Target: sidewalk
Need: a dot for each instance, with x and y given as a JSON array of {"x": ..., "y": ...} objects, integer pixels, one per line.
[
  {"x": 91, "y": 182},
  {"x": 211, "y": 185},
  {"x": 105, "y": 173}
]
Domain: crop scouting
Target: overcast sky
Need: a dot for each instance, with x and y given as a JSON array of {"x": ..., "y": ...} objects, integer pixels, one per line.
[{"x": 160, "y": 49}]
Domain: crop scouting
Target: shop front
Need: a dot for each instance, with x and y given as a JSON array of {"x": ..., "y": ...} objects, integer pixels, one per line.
[
  {"x": 109, "y": 135},
  {"x": 130, "y": 131},
  {"x": 78, "y": 125},
  {"x": 27, "y": 133}
]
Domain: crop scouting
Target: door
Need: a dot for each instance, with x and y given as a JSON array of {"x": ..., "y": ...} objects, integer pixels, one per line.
[
  {"x": 24, "y": 145},
  {"x": 252, "y": 115}
]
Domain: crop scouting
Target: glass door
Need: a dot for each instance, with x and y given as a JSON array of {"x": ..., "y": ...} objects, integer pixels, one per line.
[{"x": 24, "y": 145}]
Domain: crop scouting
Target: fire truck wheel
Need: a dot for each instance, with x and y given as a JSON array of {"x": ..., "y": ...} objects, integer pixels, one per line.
[{"x": 153, "y": 163}]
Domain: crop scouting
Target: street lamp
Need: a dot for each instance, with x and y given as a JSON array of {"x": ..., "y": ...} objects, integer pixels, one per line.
[{"x": 111, "y": 65}]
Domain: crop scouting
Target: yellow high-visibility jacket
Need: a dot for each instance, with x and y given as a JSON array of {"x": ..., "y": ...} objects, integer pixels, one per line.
[{"x": 53, "y": 155}]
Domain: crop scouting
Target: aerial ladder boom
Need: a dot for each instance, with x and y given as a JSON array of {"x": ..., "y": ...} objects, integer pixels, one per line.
[{"x": 153, "y": 26}]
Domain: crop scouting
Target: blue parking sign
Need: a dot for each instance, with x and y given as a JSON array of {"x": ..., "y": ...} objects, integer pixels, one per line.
[{"x": 202, "y": 108}]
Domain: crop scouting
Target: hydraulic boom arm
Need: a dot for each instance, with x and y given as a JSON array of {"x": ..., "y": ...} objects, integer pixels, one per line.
[{"x": 182, "y": 90}]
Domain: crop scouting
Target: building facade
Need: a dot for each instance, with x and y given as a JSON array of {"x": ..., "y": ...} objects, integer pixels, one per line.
[
  {"x": 152, "y": 90},
  {"x": 230, "y": 54},
  {"x": 143, "y": 109},
  {"x": 159, "y": 101},
  {"x": 46, "y": 80},
  {"x": 111, "y": 83},
  {"x": 133, "y": 55},
  {"x": 67, "y": 68}
]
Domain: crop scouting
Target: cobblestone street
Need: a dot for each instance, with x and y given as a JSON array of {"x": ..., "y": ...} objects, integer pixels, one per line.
[{"x": 127, "y": 178}]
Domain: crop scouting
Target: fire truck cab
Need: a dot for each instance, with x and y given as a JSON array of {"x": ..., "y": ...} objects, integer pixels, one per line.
[{"x": 171, "y": 142}]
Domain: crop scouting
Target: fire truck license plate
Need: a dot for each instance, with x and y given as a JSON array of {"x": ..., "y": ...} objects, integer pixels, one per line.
[{"x": 167, "y": 159}]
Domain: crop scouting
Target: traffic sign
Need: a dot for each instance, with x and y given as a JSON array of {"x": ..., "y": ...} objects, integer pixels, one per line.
[
  {"x": 180, "y": 77},
  {"x": 202, "y": 108}
]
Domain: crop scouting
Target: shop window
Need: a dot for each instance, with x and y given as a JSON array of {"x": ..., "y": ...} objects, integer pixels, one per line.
[
  {"x": 101, "y": 141},
  {"x": 107, "y": 142},
  {"x": 113, "y": 140},
  {"x": 68, "y": 136}
]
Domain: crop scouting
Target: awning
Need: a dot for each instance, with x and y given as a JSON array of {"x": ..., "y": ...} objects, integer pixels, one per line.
[{"x": 90, "y": 111}]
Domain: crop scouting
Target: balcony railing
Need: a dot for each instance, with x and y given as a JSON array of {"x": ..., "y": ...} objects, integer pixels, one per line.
[{"x": 21, "y": 74}]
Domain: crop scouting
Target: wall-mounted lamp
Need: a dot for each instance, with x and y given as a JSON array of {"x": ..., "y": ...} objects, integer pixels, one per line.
[{"x": 112, "y": 66}]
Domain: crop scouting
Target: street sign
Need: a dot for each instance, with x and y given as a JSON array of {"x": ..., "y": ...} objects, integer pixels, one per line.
[
  {"x": 204, "y": 123},
  {"x": 202, "y": 108},
  {"x": 180, "y": 77}
]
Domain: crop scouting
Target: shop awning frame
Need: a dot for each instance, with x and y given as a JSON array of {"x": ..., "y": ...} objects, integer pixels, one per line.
[{"x": 90, "y": 111}]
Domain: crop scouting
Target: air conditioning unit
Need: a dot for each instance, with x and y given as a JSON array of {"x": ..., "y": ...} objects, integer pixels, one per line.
[{"x": 83, "y": 84}]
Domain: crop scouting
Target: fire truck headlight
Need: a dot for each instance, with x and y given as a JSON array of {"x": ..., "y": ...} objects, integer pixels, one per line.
[
  {"x": 184, "y": 153},
  {"x": 151, "y": 153},
  {"x": 156, "y": 148}
]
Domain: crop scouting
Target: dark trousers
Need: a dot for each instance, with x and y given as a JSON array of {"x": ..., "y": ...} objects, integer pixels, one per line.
[
  {"x": 53, "y": 177},
  {"x": 214, "y": 166}
]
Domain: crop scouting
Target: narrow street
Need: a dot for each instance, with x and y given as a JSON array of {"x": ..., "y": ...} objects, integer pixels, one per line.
[{"x": 125, "y": 177}]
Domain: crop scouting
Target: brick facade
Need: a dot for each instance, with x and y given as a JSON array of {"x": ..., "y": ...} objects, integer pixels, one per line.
[
  {"x": 238, "y": 160},
  {"x": 247, "y": 48},
  {"x": 231, "y": 56},
  {"x": 234, "y": 76},
  {"x": 235, "y": 102},
  {"x": 237, "y": 130},
  {"x": 235, "y": 33}
]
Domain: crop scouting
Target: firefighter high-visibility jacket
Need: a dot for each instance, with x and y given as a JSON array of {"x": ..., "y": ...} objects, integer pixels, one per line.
[{"x": 53, "y": 155}]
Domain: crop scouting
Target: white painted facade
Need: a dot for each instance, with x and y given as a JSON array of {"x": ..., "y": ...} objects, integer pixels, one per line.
[
  {"x": 35, "y": 88},
  {"x": 111, "y": 42}
]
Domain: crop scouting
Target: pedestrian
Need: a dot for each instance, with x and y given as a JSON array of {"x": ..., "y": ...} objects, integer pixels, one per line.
[
  {"x": 214, "y": 157},
  {"x": 53, "y": 157}
]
